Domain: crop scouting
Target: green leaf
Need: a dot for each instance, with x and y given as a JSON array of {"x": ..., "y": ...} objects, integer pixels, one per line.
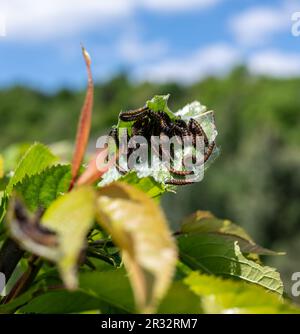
[
  {"x": 63, "y": 301},
  {"x": 37, "y": 158},
  {"x": 12, "y": 155},
  {"x": 111, "y": 287},
  {"x": 227, "y": 296},
  {"x": 69, "y": 217},
  {"x": 217, "y": 255},
  {"x": 40, "y": 190},
  {"x": 147, "y": 184},
  {"x": 138, "y": 227},
  {"x": 180, "y": 300},
  {"x": 1, "y": 167},
  {"x": 3, "y": 205},
  {"x": 205, "y": 222},
  {"x": 160, "y": 103},
  {"x": 157, "y": 103},
  {"x": 23, "y": 299}
]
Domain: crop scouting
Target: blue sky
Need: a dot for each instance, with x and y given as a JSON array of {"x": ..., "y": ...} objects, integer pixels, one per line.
[{"x": 156, "y": 40}]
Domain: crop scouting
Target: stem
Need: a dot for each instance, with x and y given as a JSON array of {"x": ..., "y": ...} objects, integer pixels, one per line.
[
  {"x": 25, "y": 280},
  {"x": 101, "y": 243},
  {"x": 104, "y": 258},
  {"x": 10, "y": 255}
]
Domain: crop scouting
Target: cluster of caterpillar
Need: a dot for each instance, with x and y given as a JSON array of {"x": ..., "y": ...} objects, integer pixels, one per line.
[{"x": 148, "y": 123}]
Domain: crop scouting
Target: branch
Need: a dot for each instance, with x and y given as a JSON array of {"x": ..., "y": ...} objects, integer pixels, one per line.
[
  {"x": 25, "y": 280},
  {"x": 10, "y": 255}
]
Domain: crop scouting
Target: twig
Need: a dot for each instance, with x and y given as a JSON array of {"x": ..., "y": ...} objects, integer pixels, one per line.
[
  {"x": 10, "y": 255},
  {"x": 25, "y": 280}
]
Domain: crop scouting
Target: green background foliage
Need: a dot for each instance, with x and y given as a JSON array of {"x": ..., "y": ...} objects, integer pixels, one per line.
[{"x": 255, "y": 181}]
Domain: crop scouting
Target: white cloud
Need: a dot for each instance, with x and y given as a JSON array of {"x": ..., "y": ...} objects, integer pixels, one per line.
[
  {"x": 275, "y": 63},
  {"x": 257, "y": 25},
  {"x": 216, "y": 59},
  {"x": 33, "y": 19},
  {"x": 177, "y": 5},
  {"x": 36, "y": 19},
  {"x": 132, "y": 49},
  {"x": 2, "y": 25}
]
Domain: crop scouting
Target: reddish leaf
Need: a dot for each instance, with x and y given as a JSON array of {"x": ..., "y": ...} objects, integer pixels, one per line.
[
  {"x": 84, "y": 124},
  {"x": 96, "y": 168}
]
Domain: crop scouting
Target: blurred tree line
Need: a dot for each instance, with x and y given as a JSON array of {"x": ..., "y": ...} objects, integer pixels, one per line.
[{"x": 255, "y": 181}]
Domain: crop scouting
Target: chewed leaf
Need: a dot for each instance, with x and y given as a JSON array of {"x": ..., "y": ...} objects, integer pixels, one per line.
[
  {"x": 157, "y": 169},
  {"x": 205, "y": 118},
  {"x": 138, "y": 227},
  {"x": 60, "y": 236}
]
